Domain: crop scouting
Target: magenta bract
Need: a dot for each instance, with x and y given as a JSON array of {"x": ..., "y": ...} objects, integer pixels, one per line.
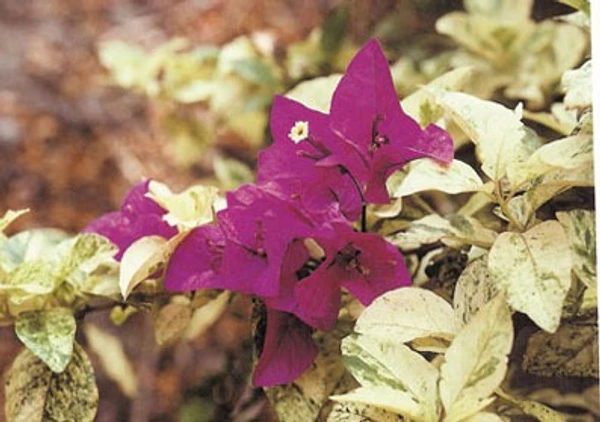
[{"x": 139, "y": 216}]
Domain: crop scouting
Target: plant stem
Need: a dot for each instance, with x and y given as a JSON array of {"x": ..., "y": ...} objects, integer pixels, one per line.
[
  {"x": 363, "y": 214},
  {"x": 504, "y": 207}
]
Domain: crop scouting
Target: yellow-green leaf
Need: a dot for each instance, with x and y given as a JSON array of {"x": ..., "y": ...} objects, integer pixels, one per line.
[
  {"x": 476, "y": 361},
  {"x": 139, "y": 261},
  {"x": 49, "y": 334},
  {"x": 29, "y": 278},
  {"x": 559, "y": 119},
  {"x": 502, "y": 141},
  {"x": 392, "y": 377},
  {"x": 26, "y": 246},
  {"x": 190, "y": 208},
  {"x": 533, "y": 270},
  {"x": 112, "y": 357},
  {"x": 483, "y": 417},
  {"x": 419, "y": 105},
  {"x": 231, "y": 173},
  {"x": 582, "y": 5},
  {"x": 355, "y": 412},
  {"x": 316, "y": 93},
  {"x": 406, "y": 314},
  {"x": 566, "y": 154},
  {"x": 79, "y": 256},
  {"x": 577, "y": 84},
  {"x": 547, "y": 186},
  {"x": 143, "y": 258},
  {"x": 426, "y": 174},
  {"x": 473, "y": 290},
  {"x": 504, "y": 10},
  {"x": 536, "y": 409},
  {"x": 10, "y": 216},
  {"x": 35, "y": 394},
  {"x": 454, "y": 230},
  {"x": 580, "y": 226},
  {"x": 206, "y": 315},
  {"x": 171, "y": 321}
]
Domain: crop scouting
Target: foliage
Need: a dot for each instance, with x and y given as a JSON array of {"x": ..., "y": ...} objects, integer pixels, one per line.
[{"x": 502, "y": 262}]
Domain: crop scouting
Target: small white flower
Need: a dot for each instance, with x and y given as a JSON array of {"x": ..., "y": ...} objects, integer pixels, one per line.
[{"x": 299, "y": 132}]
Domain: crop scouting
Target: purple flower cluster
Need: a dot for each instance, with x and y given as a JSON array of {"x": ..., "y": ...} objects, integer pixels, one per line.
[{"x": 289, "y": 238}]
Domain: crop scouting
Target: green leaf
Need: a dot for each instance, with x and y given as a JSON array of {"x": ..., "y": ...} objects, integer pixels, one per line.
[
  {"x": 393, "y": 377},
  {"x": 10, "y": 216},
  {"x": 533, "y": 270},
  {"x": 454, "y": 230},
  {"x": 49, "y": 334},
  {"x": 476, "y": 361},
  {"x": 316, "y": 93},
  {"x": 473, "y": 290},
  {"x": 580, "y": 226},
  {"x": 571, "y": 351},
  {"x": 578, "y": 87},
  {"x": 406, "y": 314},
  {"x": 255, "y": 70},
  {"x": 503, "y": 142},
  {"x": 426, "y": 174},
  {"x": 112, "y": 357},
  {"x": 334, "y": 29},
  {"x": 231, "y": 173},
  {"x": 34, "y": 393}
]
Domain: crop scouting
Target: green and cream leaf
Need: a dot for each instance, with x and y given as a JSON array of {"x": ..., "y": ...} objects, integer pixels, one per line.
[
  {"x": 426, "y": 174},
  {"x": 406, "y": 314},
  {"x": 35, "y": 394},
  {"x": 476, "y": 361},
  {"x": 533, "y": 270},
  {"x": 580, "y": 226},
  {"x": 392, "y": 377},
  {"x": 49, "y": 334},
  {"x": 503, "y": 142}
]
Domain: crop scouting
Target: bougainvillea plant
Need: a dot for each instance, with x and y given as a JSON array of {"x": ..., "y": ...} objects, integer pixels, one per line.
[{"x": 373, "y": 298}]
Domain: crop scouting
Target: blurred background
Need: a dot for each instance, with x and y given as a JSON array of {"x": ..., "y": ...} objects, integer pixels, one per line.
[{"x": 97, "y": 94}]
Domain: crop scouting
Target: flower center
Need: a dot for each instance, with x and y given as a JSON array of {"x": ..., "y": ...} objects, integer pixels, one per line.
[
  {"x": 259, "y": 239},
  {"x": 347, "y": 258},
  {"x": 299, "y": 132},
  {"x": 377, "y": 140},
  {"x": 216, "y": 250}
]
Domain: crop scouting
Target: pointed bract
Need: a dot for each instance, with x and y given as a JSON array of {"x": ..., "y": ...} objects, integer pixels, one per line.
[
  {"x": 139, "y": 217},
  {"x": 288, "y": 350}
]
